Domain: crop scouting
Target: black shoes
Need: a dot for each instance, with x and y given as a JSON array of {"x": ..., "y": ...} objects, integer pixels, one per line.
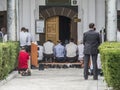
[
  {"x": 95, "y": 78},
  {"x": 86, "y": 78}
]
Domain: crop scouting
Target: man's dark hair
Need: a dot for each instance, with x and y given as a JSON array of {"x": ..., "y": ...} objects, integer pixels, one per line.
[
  {"x": 72, "y": 40},
  {"x": 27, "y": 30},
  {"x": 23, "y": 28},
  {"x": 23, "y": 48},
  {"x": 91, "y": 25},
  {"x": 49, "y": 40}
]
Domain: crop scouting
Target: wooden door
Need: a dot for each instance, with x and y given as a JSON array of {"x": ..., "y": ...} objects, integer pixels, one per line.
[{"x": 52, "y": 29}]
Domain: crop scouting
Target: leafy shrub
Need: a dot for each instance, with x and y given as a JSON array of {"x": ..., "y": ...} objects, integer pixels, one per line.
[
  {"x": 110, "y": 58},
  {"x": 8, "y": 57}
]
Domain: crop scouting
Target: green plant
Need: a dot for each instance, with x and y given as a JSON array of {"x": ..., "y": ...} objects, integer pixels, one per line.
[
  {"x": 110, "y": 58},
  {"x": 8, "y": 57}
]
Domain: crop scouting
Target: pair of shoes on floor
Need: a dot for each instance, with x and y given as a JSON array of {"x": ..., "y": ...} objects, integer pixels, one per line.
[
  {"x": 26, "y": 73},
  {"x": 86, "y": 78},
  {"x": 95, "y": 78}
]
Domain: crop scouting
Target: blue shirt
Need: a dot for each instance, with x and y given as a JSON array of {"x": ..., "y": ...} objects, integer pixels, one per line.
[{"x": 59, "y": 50}]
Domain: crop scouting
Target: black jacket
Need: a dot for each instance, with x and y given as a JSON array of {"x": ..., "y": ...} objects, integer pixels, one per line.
[{"x": 91, "y": 41}]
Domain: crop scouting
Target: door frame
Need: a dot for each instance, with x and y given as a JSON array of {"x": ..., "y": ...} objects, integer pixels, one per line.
[{"x": 67, "y": 11}]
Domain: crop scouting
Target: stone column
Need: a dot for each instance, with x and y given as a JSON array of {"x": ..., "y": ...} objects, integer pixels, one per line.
[
  {"x": 17, "y": 19},
  {"x": 11, "y": 20},
  {"x": 111, "y": 19}
]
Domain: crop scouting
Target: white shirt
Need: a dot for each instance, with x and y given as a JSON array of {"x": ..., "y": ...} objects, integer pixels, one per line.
[
  {"x": 118, "y": 36},
  {"x": 71, "y": 49},
  {"x": 80, "y": 51},
  {"x": 23, "y": 40},
  {"x": 48, "y": 47},
  {"x": 29, "y": 38},
  {"x": 5, "y": 38},
  {"x": 40, "y": 52}
]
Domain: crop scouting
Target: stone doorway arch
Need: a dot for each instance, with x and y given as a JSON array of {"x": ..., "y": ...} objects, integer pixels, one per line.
[{"x": 67, "y": 11}]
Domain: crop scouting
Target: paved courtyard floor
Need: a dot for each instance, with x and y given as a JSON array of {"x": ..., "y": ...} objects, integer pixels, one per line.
[{"x": 54, "y": 79}]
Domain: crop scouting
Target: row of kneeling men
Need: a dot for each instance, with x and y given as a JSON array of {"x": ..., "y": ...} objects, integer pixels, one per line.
[{"x": 60, "y": 52}]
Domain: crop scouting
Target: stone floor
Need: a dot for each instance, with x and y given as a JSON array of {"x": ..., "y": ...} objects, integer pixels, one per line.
[{"x": 54, "y": 79}]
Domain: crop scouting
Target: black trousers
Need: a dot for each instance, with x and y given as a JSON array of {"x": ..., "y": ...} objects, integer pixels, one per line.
[
  {"x": 86, "y": 64},
  {"x": 48, "y": 57},
  {"x": 71, "y": 59}
]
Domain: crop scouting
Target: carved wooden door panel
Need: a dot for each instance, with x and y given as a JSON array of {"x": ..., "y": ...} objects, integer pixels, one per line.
[{"x": 52, "y": 29}]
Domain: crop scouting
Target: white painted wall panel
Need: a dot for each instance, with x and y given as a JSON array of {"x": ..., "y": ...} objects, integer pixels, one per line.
[
  {"x": 80, "y": 24},
  {"x": 3, "y": 5},
  {"x": 100, "y": 14},
  {"x": 36, "y": 13},
  {"x": 118, "y": 4},
  {"x": 26, "y": 14},
  {"x": 37, "y": 4},
  {"x": 32, "y": 13},
  {"x": 85, "y": 15},
  {"x": 91, "y": 11}
]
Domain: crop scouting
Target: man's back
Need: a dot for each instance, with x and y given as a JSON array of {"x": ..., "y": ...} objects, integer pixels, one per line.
[
  {"x": 48, "y": 47},
  {"x": 59, "y": 50},
  {"x": 23, "y": 37},
  {"x": 91, "y": 41},
  {"x": 40, "y": 52},
  {"x": 28, "y": 38},
  {"x": 80, "y": 50},
  {"x": 71, "y": 49}
]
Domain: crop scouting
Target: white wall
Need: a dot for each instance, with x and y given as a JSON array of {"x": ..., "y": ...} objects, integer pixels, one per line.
[
  {"x": 100, "y": 14},
  {"x": 27, "y": 15},
  {"x": 93, "y": 11},
  {"x": 90, "y": 11},
  {"x": 118, "y": 4},
  {"x": 36, "y": 12},
  {"x": 3, "y": 5},
  {"x": 37, "y": 4},
  {"x": 85, "y": 14},
  {"x": 80, "y": 24}
]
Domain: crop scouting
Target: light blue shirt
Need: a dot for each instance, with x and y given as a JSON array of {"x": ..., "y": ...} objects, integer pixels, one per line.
[{"x": 59, "y": 50}]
